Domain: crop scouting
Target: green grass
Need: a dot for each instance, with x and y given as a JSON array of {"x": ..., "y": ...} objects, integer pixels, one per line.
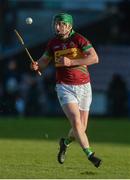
[{"x": 27, "y": 152}]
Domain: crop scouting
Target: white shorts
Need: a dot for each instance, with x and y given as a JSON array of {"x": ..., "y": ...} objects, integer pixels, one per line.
[{"x": 80, "y": 94}]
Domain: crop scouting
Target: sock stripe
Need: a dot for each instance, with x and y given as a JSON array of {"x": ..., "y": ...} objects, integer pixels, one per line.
[
  {"x": 88, "y": 151},
  {"x": 67, "y": 141}
]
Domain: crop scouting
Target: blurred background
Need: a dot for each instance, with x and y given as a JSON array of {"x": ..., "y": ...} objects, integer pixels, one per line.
[{"x": 105, "y": 23}]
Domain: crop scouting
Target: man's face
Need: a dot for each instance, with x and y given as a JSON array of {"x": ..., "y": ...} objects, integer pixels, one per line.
[{"x": 62, "y": 29}]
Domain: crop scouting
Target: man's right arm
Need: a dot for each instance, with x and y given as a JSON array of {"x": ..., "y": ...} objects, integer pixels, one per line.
[{"x": 41, "y": 64}]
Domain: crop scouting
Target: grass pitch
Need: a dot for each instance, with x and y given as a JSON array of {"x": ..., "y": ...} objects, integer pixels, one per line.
[{"x": 28, "y": 149}]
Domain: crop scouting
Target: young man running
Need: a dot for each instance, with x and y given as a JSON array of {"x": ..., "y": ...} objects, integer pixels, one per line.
[{"x": 71, "y": 53}]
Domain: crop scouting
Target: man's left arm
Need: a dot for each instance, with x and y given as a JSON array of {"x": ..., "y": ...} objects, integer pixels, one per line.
[{"x": 90, "y": 57}]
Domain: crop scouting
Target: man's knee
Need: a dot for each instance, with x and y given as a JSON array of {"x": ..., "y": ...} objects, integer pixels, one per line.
[{"x": 76, "y": 124}]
